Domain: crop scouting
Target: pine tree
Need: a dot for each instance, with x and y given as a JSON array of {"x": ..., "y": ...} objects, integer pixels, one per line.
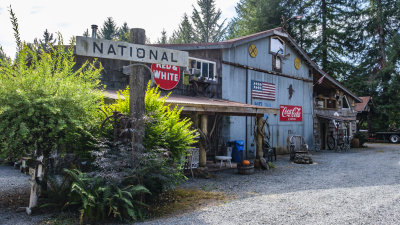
[
  {"x": 255, "y": 16},
  {"x": 163, "y": 39},
  {"x": 109, "y": 30},
  {"x": 184, "y": 33},
  {"x": 205, "y": 22},
  {"x": 123, "y": 32},
  {"x": 380, "y": 59},
  {"x": 47, "y": 41},
  {"x": 86, "y": 33},
  {"x": 3, "y": 55}
]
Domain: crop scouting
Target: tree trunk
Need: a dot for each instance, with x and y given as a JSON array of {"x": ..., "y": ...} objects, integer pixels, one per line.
[{"x": 324, "y": 44}]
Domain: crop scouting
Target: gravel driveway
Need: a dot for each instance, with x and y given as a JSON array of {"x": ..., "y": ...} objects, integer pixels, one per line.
[{"x": 357, "y": 187}]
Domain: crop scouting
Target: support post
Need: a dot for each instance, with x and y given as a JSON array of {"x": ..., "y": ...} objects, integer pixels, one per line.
[
  {"x": 259, "y": 141},
  {"x": 203, "y": 153},
  {"x": 137, "y": 88}
]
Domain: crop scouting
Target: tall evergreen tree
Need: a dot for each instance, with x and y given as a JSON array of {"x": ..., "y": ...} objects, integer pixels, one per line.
[
  {"x": 378, "y": 70},
  {"x": 206, "y": 22},
  {"x": 254, "y": 16},
  {"x": 109, "y": 29},
  {"x": 3, "y": 55},
  {"x": 123, "y": 32},
  {"x": 163, "y": 39},
  {"x": 86, "y": 33},
  {"x": 184, "y": 33}
]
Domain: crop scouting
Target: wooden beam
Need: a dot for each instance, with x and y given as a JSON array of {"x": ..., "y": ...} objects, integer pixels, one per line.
[
  {"x": 266, "y": 71},
  {"x": 259, "y": 150},
  {"x": 202, "y": 149}
]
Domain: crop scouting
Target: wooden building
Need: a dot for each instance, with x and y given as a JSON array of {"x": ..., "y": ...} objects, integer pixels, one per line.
[
  {"x": 270, "y": 69},
  {"x": 237, "y": 82}
]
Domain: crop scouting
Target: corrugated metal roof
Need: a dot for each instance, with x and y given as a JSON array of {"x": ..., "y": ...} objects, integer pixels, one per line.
[{"x": 203, "y": 105}]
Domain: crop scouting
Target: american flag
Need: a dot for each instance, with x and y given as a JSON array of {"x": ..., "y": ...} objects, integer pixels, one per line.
[{"x": 262, "y": 90}]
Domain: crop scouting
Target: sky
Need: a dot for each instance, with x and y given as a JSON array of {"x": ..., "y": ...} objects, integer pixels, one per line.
[{"x": 73, "y": 17}]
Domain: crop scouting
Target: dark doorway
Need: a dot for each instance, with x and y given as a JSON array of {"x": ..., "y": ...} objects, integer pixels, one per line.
[{"x": 323, "y": 135}]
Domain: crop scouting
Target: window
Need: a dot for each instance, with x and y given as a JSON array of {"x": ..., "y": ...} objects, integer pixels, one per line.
[
  {"x": 345, "y": 104},
  {"x": 202, "y": 68},
  {"x": 331, "y": 104},
  {"x": 277, "y": 46},
  {"x": 276, "y": 63}
]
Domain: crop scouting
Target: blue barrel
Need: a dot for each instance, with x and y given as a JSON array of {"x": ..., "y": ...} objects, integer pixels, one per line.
[{"x": 238, "y": 148}]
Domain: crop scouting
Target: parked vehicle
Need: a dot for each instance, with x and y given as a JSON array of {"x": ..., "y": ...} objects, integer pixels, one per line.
[{"x": 385, "y": 136}]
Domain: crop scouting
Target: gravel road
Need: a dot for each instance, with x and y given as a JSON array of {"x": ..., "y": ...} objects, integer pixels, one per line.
[{"x": 357, "y": 187}]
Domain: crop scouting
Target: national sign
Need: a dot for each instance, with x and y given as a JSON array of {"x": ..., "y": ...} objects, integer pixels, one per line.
[{"x": 101, "y": 48}]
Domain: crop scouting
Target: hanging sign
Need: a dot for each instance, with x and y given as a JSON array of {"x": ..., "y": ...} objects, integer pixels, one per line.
[
  {"x": 166, "y": 76},
  {"x": 297, "y": 63},
  {"x": 102, "y": 48},
  {"x": 252, "y": 51},
  {"x": 291, "y": 113}
]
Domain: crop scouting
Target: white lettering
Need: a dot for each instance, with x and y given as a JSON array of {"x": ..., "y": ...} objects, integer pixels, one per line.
[
  {"x": 291, "y": 113},
  {"x": 157, "y": 74},
  {"x": 163, "y": 75}
]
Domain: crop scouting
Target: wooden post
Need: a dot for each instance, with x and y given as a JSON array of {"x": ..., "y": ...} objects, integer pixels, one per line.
[
  {"x": 137, "y": 88},
  {"x": 203, "y": 153},
  {"x": 259, "y": 140}
]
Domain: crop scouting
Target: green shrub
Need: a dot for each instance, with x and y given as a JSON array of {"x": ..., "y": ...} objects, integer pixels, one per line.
[
  {"x": 362, "y": 137},
  {"x": 46, "y": 103},
  {"x": 164, "y": 126},
  {"x": 97, "y": 200},
  {"x": 164, "y": 129}
]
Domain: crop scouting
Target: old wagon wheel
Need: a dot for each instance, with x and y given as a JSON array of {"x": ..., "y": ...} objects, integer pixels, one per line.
[{"x": 331, "y": 142}]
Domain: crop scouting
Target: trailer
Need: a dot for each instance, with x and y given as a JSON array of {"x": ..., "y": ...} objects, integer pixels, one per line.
[{"x": 385, "y": 136}]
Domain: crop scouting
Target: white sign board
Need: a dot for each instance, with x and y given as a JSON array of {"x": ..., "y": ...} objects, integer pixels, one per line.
[{"x": 100, "y": 48}]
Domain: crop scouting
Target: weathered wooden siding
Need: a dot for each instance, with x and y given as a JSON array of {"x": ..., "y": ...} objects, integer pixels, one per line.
[{"x": 235, "y": 88}]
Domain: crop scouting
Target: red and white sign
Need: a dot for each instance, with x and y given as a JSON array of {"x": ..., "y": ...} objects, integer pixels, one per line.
[
  {"x": 291, "y": 113},
  {"x": 166, "y": 76}
]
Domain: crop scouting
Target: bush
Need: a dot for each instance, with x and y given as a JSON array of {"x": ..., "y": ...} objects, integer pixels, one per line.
[
  {"x": 97, "y": 200},
  {"x": 46, "y": 103},
  {"x": 164, "y": 131},
  {"x": 362, "y": 137}
]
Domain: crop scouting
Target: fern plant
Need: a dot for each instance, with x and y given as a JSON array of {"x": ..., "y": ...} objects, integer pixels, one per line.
[{"x": 97, "y": 200}]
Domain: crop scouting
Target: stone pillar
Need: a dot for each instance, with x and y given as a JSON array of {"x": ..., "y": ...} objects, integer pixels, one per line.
[{"x": 203, "y": 153}]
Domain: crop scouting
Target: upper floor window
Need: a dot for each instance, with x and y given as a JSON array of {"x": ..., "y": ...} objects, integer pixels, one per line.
[
  {"x": 277, "y": 46},
  {"x": 202, "y": 68},
  {"x": 345, "y": 103}
]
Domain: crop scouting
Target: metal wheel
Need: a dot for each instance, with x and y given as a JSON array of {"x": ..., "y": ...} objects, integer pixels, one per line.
[
  {"x": 331, "y": 142},
  {"x": 394, "y": 138}
]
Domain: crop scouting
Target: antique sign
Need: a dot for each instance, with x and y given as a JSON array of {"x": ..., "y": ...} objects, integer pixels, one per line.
[
  {"x": 100, "y": 48},
  {"x": 166, "y": 76},
  {"x": 253, "y": 51},
  {"x": 297, "y": 63},
  {"x": 291, "y": 113},
  {"x": 262, "y": 90}
]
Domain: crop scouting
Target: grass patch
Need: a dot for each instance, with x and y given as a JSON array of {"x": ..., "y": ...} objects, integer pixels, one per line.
[
  {"x": 380, "y": 151},
  {"x": 184, "y": 200}
]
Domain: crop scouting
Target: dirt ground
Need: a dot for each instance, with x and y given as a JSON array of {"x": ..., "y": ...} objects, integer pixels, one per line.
[{"x": 356, "y": 187}]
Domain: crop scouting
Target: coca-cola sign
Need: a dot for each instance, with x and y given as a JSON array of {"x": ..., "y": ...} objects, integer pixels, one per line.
[{"x": 291, "y": 113}]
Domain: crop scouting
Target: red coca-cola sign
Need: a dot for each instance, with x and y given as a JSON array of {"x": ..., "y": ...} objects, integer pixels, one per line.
[
  {"x": 291, "y": 113},
  {"x": 166, "y": 76}
]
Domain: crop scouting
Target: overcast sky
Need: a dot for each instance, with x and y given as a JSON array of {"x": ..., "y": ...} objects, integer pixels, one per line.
[{"x": 73, "y": 17}]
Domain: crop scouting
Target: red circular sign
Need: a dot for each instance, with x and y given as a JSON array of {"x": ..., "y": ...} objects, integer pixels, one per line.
[{"x": 166, "y": 76}]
